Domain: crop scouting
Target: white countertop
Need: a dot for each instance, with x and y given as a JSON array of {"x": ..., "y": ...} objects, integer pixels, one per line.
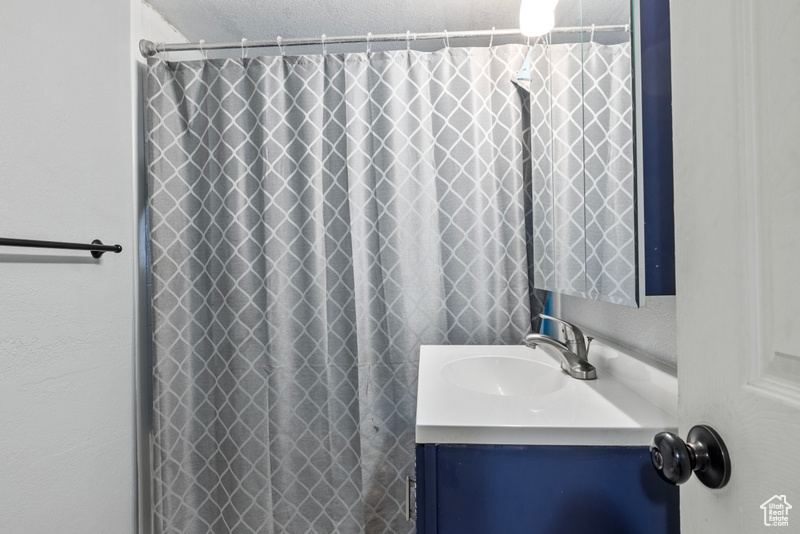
[{"x": 628, "y": 403}]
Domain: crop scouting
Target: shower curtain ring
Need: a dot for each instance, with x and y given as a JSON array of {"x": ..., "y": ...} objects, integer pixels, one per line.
[
  {"x": 244, "y": 51},
  {"x": 202, "y": 49},
  {"x": 324, "y": 48},
  {"x": 446, "y": 40},
  {"x": 491, "y": 37},
  {"x": 280, "y": 47},
  {"x": 408, "y": 40},
  {"x": 591, "y": 37},
  {"x": 369, "y": 45}
]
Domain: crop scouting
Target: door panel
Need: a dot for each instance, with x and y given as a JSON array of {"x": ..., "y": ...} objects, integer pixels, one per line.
[
  {"x": 736, "y": 130},
  {"x": 772, "y": 93}
]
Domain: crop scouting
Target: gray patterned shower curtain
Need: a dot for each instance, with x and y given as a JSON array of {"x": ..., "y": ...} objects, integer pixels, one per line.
[{"x": 313, "y": 220}]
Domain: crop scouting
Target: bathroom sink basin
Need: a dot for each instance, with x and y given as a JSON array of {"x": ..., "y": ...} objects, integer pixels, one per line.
[
  {"x": 516, "y": 395},
  {"x": 504, "y": 375}
]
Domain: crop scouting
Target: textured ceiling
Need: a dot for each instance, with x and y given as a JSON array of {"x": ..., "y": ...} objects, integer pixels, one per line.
[{"x": 230, "y": 20}]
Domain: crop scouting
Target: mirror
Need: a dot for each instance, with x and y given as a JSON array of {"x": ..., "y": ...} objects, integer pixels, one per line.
[{"x": 583, "y": 154}]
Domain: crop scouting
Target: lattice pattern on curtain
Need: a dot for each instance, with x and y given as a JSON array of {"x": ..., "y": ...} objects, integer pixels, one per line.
[
  {"x": 583, "y": 171},
  {"x": 313, "y": 220}
]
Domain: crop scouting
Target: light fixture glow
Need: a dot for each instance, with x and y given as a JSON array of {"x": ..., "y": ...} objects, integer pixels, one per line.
[{"x": 537, "y": 17}]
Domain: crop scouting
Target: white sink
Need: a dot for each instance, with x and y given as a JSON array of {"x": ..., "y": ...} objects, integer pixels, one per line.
[
  {"x": 495, "y": 374},
  {"x": 520, "y": 396}
]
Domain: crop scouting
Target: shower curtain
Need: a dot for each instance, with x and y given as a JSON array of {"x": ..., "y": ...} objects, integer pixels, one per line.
[{"x": 313, "y": 220}]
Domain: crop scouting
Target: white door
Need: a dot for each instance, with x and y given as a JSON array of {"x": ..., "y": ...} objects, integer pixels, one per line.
[{"x": 736, "y": 106}]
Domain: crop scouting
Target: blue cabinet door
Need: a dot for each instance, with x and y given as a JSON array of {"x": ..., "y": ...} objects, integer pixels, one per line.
[{"x": 484, "y": 489}]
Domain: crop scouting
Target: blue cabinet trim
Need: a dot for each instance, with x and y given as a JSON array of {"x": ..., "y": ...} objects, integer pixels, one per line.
[
  {"x": 659, "y": 217},
  {"x": 426, "y": 505}
]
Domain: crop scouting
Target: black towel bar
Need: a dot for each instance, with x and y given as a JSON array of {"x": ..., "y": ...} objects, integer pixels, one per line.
[{"x": 97, "y": 248}]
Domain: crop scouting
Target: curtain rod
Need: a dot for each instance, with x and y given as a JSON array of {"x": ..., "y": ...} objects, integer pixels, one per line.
[
  {"x": 97, "y": 248},
  {"x": 149, "y": 48}
]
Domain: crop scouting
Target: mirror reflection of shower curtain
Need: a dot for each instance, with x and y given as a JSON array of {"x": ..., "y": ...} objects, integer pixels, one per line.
[
  {"x": 313, "y": 220},
  {"x": 583, "y": 171}
]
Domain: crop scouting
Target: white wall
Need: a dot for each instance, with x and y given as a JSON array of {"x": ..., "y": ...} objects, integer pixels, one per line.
[
  {"x": 649, "y": 331},
  {"x": 68, "y": 171},
  {"x": 66, "y": 320}
]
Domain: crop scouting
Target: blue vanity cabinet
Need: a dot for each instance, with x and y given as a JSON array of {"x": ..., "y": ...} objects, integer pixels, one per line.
[{"x": 533, "y": 489}]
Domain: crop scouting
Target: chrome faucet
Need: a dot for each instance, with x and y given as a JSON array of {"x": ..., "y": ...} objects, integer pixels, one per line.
[{"x": 573, "y": 352}]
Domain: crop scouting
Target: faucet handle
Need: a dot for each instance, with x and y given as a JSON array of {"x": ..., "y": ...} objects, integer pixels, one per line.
[{"x": 577, "y": 334}]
